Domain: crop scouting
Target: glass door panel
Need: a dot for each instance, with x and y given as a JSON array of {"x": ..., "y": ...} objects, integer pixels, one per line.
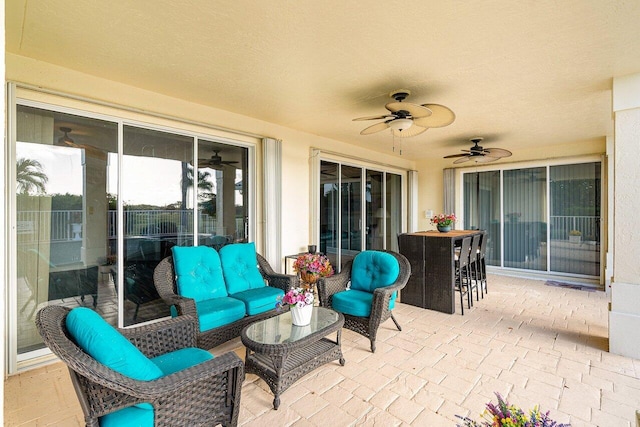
[
  {"x": 374, "y": 210},
  {"x": 222, "y": 193},
  {"x": 62, "y": 202},
  {"x": 393, "y": 211},
  {"x": 158, "y": 213},
  {"x": 482, "y": 209},
  {"x": 329, "y": 209},
  {"x": 350, "y": 213},
  {"x": 575, "y": 218},
  {"x": 525, "y": 226}
]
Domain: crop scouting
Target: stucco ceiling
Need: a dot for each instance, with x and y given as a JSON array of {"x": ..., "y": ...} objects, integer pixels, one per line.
[{"x": 522, "y": 73}]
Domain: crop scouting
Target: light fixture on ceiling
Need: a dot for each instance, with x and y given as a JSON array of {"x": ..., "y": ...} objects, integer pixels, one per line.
[
  {"x": 400, "y": 124},
  {"x": 66, "y": 139}
]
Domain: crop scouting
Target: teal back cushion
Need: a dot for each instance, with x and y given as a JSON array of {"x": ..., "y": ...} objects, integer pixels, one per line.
[
  {"x": 372, "y": 270},
  {"x": 240, "y": 267},
  {"x": 108, "y": 346},
  {"x": 198, "y": 272}
]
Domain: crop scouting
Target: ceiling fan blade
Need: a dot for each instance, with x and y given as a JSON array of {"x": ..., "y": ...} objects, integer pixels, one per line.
[
  {"x": 485, "y": 159},
  {"x": 441, "y": 116},
  {"x": 463, "y": 159},
  {"x": 416, "y": 111},
  {"x": 412, "y": 131},
  {"x": 497, "y": 152},
  {"x": 451, "y": 156},
  {"x": 386, "y": 116},
  {"x": 374, "y": 128}
]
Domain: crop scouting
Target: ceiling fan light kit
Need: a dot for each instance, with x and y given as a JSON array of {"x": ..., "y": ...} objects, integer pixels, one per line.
[{"x": 405, "y": 119}]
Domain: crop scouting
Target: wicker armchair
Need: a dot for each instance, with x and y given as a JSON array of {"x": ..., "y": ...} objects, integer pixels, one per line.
[
  {"x": 380, "y": 312},
  {"x": 164, "y": 279},
  {"x": 204, "y": 394}
]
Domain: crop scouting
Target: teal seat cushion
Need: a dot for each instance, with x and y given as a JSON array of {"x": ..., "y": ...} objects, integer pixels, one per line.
[
  {"x": 240, "y": 267},
  {"x": 108, "y": 346},
  {"x": 356, "y": 303},
  {"x": 133, "y": 416},
  {"x": 198, "y": 272},
  {"x": 218, "y": 312},
  {"x": 181, "y": 359},
  {"x": 372, "y": 270},
  {"x": 259, "y": 300}
]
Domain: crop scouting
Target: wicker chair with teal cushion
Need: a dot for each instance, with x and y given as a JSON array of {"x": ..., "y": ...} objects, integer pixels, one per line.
[
  {"x": 375, "y": 278},
  {"x": 152, "y": 375}
]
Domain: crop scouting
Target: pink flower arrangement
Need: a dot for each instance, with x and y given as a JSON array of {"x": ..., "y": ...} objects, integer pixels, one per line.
[
  {"x": 317, "y": 265},
  {"x": 298, "y": 297},
  {"x": 444, "y": 220}
]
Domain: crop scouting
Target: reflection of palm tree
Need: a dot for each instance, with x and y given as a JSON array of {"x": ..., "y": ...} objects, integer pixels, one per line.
[
  {"x": 30, "y": 177},
  {"x": 205, "y": 186}
]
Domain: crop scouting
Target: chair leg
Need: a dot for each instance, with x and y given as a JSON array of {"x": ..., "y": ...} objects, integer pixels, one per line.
[
  {"x": 396, "y": 322},
  {"x": 373, "y": 346}
]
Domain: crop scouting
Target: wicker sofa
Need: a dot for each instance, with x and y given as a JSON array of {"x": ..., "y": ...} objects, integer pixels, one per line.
[{"x": 221, "y": 289}]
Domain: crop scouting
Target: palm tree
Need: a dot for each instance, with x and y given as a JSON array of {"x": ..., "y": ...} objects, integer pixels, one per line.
[{"x": 30, "y": 177}]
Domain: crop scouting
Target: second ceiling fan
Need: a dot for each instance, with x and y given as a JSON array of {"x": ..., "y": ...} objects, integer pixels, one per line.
[
  {"x": 406, "y": 119},
  {"x": 479, "y": 154}
]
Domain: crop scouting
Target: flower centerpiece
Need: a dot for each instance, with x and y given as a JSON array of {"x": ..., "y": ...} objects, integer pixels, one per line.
[
  {"x": 444, "y": 222},
  {"x": 311, "y": 266},
  {"x": 300, "y": 302},
  {"x": 504, "y": 414}
]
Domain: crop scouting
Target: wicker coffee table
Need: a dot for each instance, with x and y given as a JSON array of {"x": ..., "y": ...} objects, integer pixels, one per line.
[{"x": 281, "y": 353}]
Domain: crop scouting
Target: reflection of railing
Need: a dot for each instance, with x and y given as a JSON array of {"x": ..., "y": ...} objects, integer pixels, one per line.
[
  {"x": 45, "y": 226},
  {"x": 34, "y": 226},
  {"x": 588, "y": 226}
]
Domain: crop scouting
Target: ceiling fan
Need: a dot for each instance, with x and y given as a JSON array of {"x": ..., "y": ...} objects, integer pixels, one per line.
[
  {"x": 90, "y": 150},
  {"x": 215, "y": 161},
  {"x": 406, "y": 119},
  {"x": 480, "y": 154}
]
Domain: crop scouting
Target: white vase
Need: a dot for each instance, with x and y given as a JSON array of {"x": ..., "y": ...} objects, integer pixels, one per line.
[{"x": 301, "y": 316}]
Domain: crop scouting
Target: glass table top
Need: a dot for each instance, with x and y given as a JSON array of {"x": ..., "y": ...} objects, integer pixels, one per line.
[{"x": 280, "y": 330}]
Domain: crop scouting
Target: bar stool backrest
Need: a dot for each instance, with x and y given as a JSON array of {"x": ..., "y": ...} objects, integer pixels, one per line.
[{"x": 463, "y": 259}]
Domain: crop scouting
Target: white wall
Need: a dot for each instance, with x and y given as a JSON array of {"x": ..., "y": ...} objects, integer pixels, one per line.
[{"x": 624, "y": 315}]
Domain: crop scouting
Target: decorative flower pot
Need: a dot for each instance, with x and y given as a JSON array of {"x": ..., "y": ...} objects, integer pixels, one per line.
[
  {"x": 301, "y": 316},
  {"x": 308, "y": 278},
  {"x": 444, "y": 228}
]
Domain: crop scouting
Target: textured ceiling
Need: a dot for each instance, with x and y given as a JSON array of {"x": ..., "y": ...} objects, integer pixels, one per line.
[{"x": 521, "y": 73}]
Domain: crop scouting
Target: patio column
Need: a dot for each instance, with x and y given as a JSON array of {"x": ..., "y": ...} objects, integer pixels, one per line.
[{"x": 624, "y": 312}]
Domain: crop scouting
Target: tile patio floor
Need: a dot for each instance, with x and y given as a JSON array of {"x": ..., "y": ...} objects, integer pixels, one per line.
[{"x": 535, "y": 344}]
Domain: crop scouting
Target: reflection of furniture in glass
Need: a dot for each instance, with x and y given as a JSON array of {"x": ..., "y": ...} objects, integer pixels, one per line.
[
  {"x": 522, "y": 240},
  {"x": 138, "y": 283},
  {"x": 218, "y": 241},
  {"x": 375, "y": 277},
  {"x": 191, "y": 389},
  {"x": 281, "y": 353},
  {"x": 432, "y": 258},
  {"x": 71, "y": 283}
]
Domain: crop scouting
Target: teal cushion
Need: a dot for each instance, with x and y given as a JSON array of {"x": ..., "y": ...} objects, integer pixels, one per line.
[
  {"x": 181, "y": 359},
  {"x": 128, "y": 417},
  {"x": 373, "y": 269},
  {"x": 198, "y": 272},
  {"x": 108, "y": 346},
  {"x": 218, "y": 312},
  {"x": 240, "y": 267},
  {"x": 356, "y": 303},
  {"x": 259, "y": 300}
]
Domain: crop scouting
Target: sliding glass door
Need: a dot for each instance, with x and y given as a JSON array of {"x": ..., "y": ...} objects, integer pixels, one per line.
[
  {"x": 543, "y": 218},
  {"x": 360, "y": 209},
  {"x": 94, "y": 220}
]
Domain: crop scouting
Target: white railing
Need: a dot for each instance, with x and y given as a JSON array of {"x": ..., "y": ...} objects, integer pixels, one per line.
[{"x": 588, "y": 226}]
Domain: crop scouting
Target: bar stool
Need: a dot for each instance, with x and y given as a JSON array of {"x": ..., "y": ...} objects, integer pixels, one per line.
[
  {"x": 463, "y": 273},
  {"x": 474, "y": 266},
  {"x": 482, "y": 264}
]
